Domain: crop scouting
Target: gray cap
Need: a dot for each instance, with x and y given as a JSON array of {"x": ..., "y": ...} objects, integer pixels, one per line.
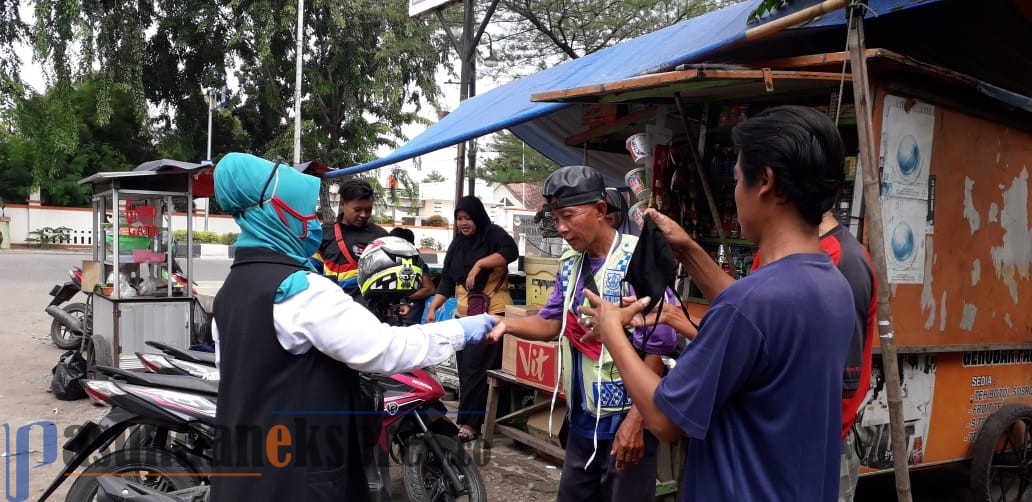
[{"x": 573, "y": 186}]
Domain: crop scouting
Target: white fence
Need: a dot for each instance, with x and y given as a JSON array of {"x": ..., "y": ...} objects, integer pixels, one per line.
[{"x": 26, "y": 219}]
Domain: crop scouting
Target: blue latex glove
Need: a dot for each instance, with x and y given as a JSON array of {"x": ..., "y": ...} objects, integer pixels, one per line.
[{"x": 476, "y": 327}]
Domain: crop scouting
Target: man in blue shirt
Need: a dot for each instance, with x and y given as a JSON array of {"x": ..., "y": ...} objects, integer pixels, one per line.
[{"x": 759, "y": 388}]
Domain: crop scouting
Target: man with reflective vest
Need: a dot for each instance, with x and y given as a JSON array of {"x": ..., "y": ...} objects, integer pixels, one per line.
[
  {"x": 609, "y": 454},
  {"x": 345, "y": 239}
]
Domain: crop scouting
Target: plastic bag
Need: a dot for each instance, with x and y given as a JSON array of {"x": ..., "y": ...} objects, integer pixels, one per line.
[{"x": 68, "y": 374}]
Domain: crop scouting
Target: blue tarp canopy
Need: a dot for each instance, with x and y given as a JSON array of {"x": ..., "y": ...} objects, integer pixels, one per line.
[{"x": 509, "y": 106}]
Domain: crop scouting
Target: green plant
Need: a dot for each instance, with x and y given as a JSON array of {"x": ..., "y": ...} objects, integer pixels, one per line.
[
  {"x": 765, "y": 8},
  {"x": 428, "y": 242},
  {"x": 201, "y": 237},
  {"x": 436, "y": 221},
  {"x": 46, "y": 237},
  {"x": 381, "y": 219}
]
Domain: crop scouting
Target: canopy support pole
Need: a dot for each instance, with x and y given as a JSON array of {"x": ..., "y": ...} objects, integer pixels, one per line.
[
  {"x": 466, "y": 47},
  {"x": 876, "y": 240}
]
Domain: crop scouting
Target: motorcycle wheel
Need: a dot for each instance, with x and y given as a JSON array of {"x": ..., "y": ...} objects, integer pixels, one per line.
[
  {"x": 155, "y": 469},
  {"x": 425, "y": 479},
  {"x": 60, "y": 335}
]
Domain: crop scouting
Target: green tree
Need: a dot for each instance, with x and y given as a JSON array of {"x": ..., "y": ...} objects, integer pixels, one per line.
[
  {"x": 117, "y": 142},
  {"x": 405, "y": 190},
  {"x": 13, "y": 31},
  {"x": 514, "y": 162},
  {"x": 368, "y": 68},
  {"x": 15, "y": 169},
  {"x": 434, "y": 177},
  {"x": 536, "y": 34}
]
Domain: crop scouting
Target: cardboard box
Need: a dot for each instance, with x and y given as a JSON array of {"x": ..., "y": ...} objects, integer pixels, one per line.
[
  {"x": 540, "y": 278},
  {"x": 537, "y": 423},
  {"x": 532, "y": 363},
  {"x": 91, "y": 275}
]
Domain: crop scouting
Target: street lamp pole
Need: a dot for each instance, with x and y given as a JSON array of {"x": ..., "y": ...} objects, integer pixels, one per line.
[
  {"x": 208, "y": 95},
  {"x": 297, "y": 80},
  {"x": 209, "y": 101}
]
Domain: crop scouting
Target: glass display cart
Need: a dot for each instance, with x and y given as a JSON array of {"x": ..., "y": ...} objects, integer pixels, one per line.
[{"x": 142, "y": 293}]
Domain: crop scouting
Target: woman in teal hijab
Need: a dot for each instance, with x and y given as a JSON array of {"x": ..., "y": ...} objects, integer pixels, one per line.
[{"x": 287, "y": 338}]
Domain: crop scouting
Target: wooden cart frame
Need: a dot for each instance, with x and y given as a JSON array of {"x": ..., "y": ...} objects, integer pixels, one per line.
[{"x": 964, "y": 332}]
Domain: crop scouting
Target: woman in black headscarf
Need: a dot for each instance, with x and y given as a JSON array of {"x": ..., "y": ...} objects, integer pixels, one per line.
[{"x": 476, "y": 262}]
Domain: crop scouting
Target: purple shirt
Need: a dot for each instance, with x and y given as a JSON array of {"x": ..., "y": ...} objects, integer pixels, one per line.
[{"x": 663, "y": 340}]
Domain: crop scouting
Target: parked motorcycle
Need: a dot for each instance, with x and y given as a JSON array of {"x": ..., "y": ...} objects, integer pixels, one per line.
[
  {"x": 63, "y": 337},
  {"x": 415, "y": 430},
  {"x": 178, "y": 410}
]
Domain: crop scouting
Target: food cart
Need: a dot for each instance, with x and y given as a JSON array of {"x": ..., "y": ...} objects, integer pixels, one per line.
[
  {"x": 954, "y": 166},
  {"x": 139, "y": 291}
]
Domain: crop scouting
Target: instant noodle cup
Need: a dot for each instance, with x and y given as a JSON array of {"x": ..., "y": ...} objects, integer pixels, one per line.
[
  {"x": 639, "y": 148},
  {"x": 635, "y": 180},
  {"x": 637, "y": 213}
]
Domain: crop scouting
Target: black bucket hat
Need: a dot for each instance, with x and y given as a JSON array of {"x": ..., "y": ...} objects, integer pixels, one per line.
[{"x": 573, "y": 186}]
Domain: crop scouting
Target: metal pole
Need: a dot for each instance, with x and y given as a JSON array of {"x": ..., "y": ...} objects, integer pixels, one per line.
[
  {"x": 208, "y": 98},
  {"x": 523, "y": 168},
  {"x": 471, "y": 150},
  {"x": 297, "y": 80},
  {"x": 876, "y": 236},
  {"x": 211, "y": 106},
  {"x": 464, "y": 78}
]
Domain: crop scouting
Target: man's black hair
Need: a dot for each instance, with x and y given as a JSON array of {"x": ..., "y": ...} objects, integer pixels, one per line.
[
  {"x": 355, "y": 189},
  {"x": 804, "y": 150},
  {"x": 404, "y": 233}
]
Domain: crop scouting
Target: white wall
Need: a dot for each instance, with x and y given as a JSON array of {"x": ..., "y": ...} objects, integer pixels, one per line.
[{"x": 25, "y": 219}]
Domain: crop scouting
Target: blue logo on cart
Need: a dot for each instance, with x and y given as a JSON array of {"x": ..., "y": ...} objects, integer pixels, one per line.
[{"x": 19, "y": 456}]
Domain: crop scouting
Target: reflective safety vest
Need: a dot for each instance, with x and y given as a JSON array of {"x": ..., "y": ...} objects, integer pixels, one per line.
[{"x": 601, "y": 384}]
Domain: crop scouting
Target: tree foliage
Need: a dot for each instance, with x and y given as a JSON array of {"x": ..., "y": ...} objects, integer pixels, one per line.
[
  {"x": 115, "y": 143},
  {"x": 367, "y": 69},
  {"x": 514, "y": 162},
  {"x": 434, "y": 177},
  {"x": 536, "y": 34}
]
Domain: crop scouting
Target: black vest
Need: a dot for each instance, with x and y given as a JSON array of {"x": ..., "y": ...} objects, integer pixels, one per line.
[{"x": 266, "y": 393}]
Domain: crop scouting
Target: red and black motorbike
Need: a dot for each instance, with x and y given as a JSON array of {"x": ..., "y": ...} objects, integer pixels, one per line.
[{"x": 417, "y": 433}]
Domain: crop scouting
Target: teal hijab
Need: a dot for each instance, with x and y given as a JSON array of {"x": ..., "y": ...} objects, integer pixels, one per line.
[{"x": 282, "y": 220}]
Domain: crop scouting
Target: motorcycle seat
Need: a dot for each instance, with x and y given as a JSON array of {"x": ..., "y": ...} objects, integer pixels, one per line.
[
  {"x": 175, "y": 382},
  {"x": 184, "y": 354}
]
